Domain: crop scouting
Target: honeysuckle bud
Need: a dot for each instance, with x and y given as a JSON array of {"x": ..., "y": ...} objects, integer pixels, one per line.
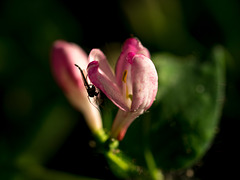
[
  {"x": 134, "y": 86},
  {"x": 63, "y": 57}
]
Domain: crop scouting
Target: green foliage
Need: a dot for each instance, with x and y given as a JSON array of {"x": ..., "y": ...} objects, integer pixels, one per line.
[{"x": 188, "y": 106}]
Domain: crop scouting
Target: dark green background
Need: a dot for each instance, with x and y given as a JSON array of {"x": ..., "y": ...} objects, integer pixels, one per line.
[{"x": 30, "y": 97}]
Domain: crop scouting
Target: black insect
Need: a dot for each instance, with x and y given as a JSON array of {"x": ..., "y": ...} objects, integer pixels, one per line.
[{"x": 91, "y": 89}]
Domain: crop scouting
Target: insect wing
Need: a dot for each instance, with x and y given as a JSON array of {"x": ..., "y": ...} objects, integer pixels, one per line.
[{"x": 96, "y": 101}]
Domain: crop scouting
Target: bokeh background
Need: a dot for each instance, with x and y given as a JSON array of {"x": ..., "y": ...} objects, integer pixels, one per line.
[{"x": 36, "y": 117}]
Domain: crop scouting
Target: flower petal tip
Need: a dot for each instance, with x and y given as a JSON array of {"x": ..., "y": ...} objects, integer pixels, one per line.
[
  {"x": 59, "y": 43},
  {"x": 93, "y": 64}
]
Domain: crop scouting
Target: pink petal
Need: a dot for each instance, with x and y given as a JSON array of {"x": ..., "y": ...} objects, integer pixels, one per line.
[
  {"x": 134, "y": 45},
  {"x": 145, "y": 82},
  {"x": 106, "y": 84},
  {"x": 64, "y": 55},
  {"x": 97, "y": 55},
  {"x": 131, "y": 47},
  {"x": 122, "y": 121}
]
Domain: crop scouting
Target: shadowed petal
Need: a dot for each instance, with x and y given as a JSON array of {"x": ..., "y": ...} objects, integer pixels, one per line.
[
  {"x": 97, "y": 55},
  {"x": 107, "y": 85},
  {"x": 121, "y": 123}
]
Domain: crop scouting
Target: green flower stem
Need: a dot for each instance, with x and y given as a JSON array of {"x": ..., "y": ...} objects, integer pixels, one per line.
[
  {"x": 121, "y": 165},
  {"x": 155, "y": 173},
  {"x": 101, "y": 136},
  {"x": 118, "y": 161}
]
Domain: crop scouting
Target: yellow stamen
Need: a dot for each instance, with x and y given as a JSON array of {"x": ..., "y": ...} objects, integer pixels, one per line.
[{"x": 124, "y": 79}]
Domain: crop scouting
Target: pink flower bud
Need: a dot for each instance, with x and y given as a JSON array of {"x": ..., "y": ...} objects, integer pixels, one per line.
[{"x": 63, "y": 57}]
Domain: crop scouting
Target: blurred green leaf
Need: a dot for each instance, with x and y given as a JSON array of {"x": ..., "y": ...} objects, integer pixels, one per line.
[{"x": 185, "y": 117}]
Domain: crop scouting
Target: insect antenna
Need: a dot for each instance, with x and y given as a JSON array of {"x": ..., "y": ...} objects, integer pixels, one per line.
[{"x": 84, "y": 79}]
